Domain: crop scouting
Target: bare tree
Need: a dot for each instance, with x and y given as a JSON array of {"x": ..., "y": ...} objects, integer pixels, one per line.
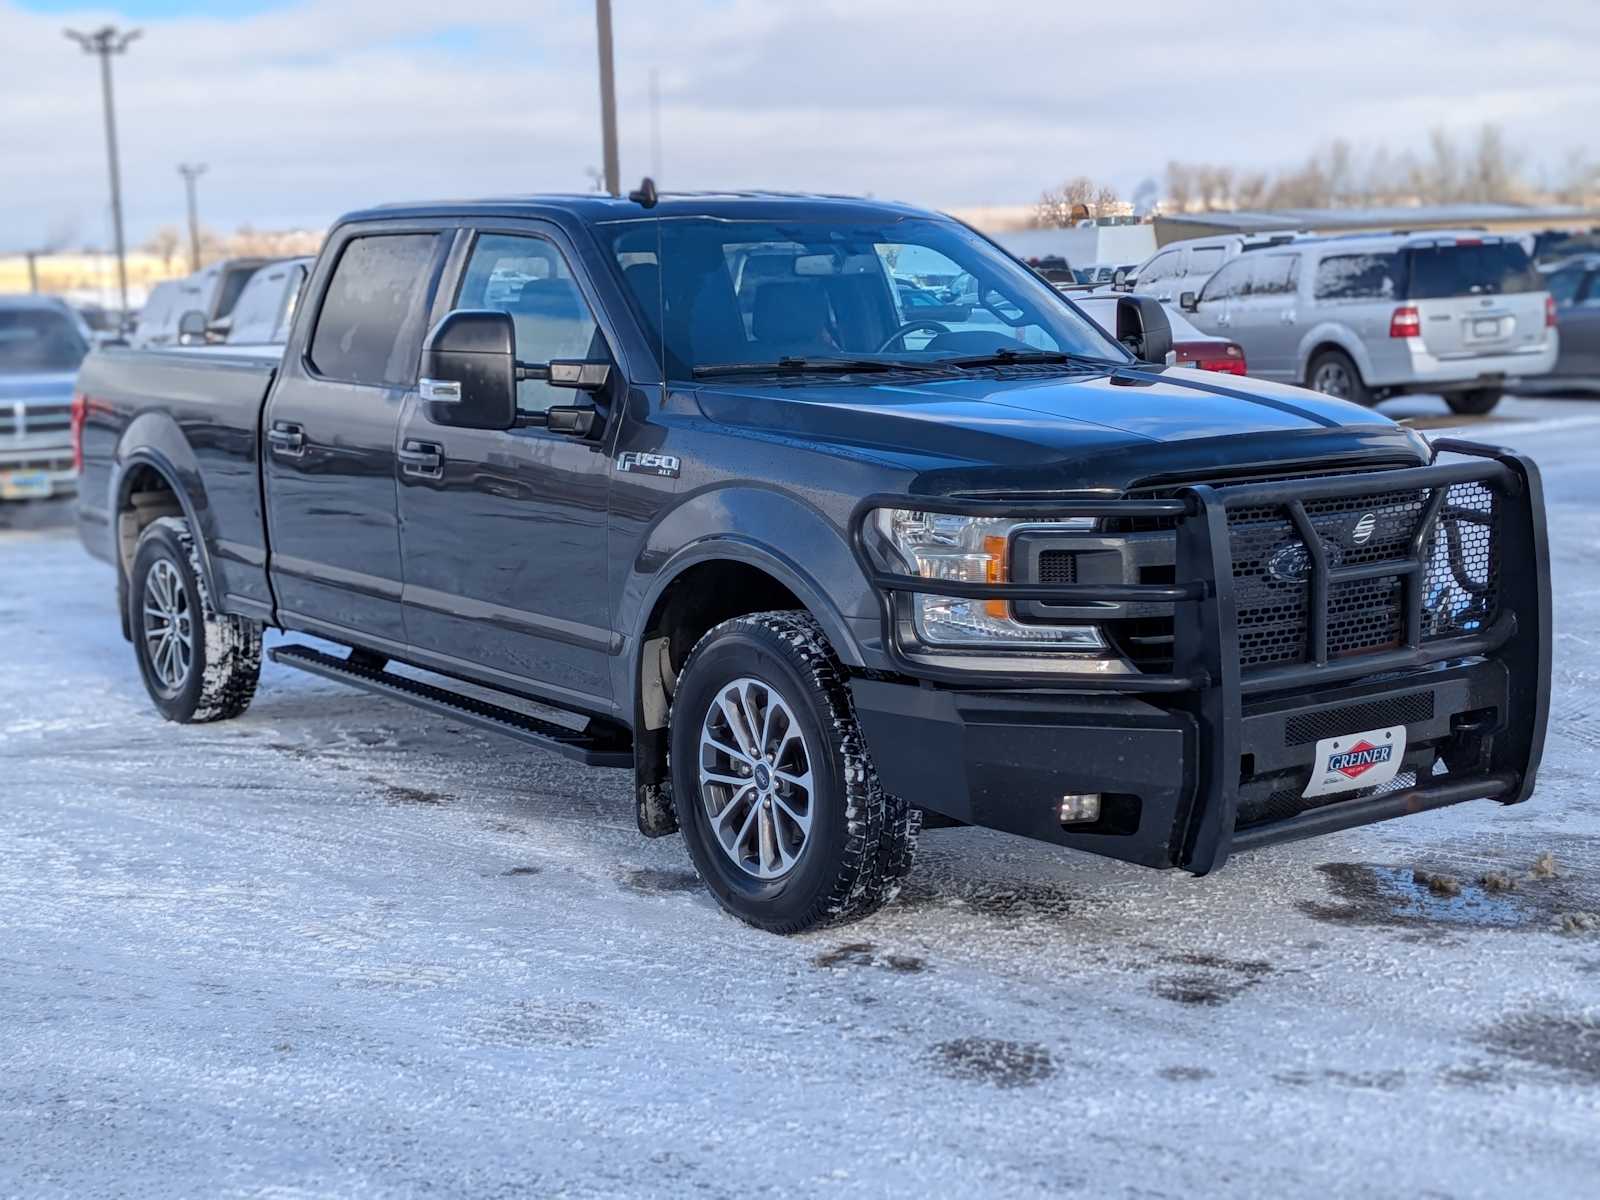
[
  {"x": 1074, "y": 200},
  {"x": 1180, "y": 186},
  {"x": 1580, "y": 178},
  {"x": 164, "y": 243}
]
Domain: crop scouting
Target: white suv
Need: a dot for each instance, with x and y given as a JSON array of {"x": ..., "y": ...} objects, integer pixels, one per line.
[{"x": 1371, "y": 316}]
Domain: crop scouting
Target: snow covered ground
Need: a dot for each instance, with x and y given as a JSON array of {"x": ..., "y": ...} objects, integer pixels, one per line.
[{"x": 340, "y": 948}]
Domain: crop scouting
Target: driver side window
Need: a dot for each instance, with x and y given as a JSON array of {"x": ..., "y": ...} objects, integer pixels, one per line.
[
  {"x": 1229, "y": 283},
  {"x": 529, "y": 278}
]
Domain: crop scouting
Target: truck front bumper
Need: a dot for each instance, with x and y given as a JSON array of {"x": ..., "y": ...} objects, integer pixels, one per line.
[
  {"x": 1003, "y": 760},
  {"x": 1212, "y": 757}
]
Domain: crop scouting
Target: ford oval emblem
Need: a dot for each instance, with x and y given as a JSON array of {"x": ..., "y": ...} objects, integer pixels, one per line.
[
  {"x": 1290, "y": 563},
  {"x": 1364, "y": 529}
]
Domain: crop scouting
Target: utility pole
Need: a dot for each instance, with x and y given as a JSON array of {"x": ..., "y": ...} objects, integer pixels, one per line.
[
  {"x": 106, "y": 42},
  {"x": 608, "y": 99},
  {"x": 190, "y": 173}
]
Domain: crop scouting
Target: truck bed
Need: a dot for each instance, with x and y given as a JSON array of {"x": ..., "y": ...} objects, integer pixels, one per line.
[{"x": 198, "y": 417}]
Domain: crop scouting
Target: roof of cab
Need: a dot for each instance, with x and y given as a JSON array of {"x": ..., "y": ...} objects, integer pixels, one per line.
[{"x": 593, "y": 209}]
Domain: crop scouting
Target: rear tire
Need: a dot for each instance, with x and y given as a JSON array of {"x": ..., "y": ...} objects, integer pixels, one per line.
[
  {"x": 197, "y": 664},
  {"x": 1474, "y": 403},
  {"x": 1334, "y": 373},
  {"x": 775, "y": 791}
]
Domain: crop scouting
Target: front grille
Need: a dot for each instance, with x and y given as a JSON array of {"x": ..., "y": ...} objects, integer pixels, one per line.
[
  {"x": 1408, "y": 709},
  {"x": 1268, "y": 556},
  {"x": 19, "y": 419},
  {"x": 1271, "y": 573}
]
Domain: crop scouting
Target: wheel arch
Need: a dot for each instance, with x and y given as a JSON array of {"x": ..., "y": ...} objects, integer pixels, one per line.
[
  {"x": 1331, "y": 337},
  {"x": 706, "y": 583}
]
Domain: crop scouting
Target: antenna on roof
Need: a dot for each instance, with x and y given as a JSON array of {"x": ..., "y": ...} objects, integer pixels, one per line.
[{"x": 645, "y": 194}]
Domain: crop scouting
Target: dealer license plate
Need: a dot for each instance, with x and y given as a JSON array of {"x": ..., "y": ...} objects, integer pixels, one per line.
[
  {"x": 24, "y": 485},
  {"x": 1357, "y": 760}
]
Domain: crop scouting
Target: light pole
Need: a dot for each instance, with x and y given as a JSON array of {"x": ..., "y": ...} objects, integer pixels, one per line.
[
  {"x": 608, "y": 98},
  {"x": 190, "y": 173},
  {"x": 106, "y": 42}
]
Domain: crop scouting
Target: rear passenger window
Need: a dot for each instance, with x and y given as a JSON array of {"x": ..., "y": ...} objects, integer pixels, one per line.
[
  {"x": 370, "y": 327},
  {"x": 1359, "y": 277},
  {"x": 1204, "y": 260}
]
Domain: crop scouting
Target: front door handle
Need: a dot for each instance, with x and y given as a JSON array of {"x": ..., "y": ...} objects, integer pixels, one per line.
[
  {"x": 285, "y": 437},
  {"x": 422, "y": 458}
]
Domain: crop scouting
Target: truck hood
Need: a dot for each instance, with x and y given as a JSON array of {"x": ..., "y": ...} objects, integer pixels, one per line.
[
  {"x": 52, "y": 388},
  {"x": 1173, "y": 417}
]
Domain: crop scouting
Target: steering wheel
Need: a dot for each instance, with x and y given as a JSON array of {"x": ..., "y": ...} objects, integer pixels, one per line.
[{"x": 910, "y": 327}]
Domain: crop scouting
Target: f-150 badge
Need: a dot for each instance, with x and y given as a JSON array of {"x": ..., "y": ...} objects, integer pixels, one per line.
[{"x": 641, "y": 462}]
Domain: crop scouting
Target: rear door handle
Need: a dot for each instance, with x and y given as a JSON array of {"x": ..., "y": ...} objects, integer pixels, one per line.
[
  {"x": 422, "y": 458},
  {"x": 286, "y": 437}
]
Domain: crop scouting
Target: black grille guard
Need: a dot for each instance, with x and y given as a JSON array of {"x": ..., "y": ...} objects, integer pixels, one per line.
[{"x": 1206, "y": 679}]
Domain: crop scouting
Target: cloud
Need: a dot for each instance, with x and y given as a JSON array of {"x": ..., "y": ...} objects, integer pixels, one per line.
[{"x": 304, "y": 110}]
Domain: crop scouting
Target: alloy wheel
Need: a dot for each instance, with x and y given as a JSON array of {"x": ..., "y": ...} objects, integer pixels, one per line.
[
  {"x": 756, "y": 779},
  {"x": 168, "y": 626}
]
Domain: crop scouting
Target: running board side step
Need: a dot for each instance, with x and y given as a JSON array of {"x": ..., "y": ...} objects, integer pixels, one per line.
[{"x": 571, "y": 743}]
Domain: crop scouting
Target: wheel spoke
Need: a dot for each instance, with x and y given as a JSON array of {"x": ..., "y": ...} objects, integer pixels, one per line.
[
  {"x": 733, "y": 714},
  {"x": 803, "y": 782},
  {"x": 803, "y": 820}
]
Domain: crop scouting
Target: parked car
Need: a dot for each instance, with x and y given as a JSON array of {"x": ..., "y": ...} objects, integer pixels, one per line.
[
  {"x": 266, "y": 306},
  {"x": 1575, "y": 287},
  {"x": 1372, "y": 316},
  {"x": 210, "y": 292},
  {"x": 809, "y": 581},
  {"x": 42, "y": 341},
  {"x": 1190, "y": 347},
  {"x": 1186, "y": 265}
]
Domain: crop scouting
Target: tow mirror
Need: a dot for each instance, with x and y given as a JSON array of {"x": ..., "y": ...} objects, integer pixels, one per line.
[
  {"x": 1119, "y": 277},
  {"x": 469, "y": 370},
  {"x": 192, "y": 328},
  {"x": 1143, "y": 327},
  {"x": 1188, "y": 301}
]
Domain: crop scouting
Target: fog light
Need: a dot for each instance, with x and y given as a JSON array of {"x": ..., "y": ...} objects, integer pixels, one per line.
[{"x": 1078, "y": 809}]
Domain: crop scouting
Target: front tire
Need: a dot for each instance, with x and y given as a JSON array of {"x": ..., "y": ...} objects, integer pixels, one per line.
[
  {"x": 775, "y": 791},
  {"x": 1474, "y": 403},
  {"x": 197, "y": 664},
  {"x": 1334, "y": 373}
]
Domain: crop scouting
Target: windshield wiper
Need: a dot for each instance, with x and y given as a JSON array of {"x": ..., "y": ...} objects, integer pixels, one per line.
[
  {"x": 793, "y": 364},
  {"x": 1005, "y": 357}
]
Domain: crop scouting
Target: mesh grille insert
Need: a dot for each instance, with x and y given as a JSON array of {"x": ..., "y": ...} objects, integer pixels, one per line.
[
  {"x": 1408, "y": 709},
  {"x": 1058, "y": 566}
]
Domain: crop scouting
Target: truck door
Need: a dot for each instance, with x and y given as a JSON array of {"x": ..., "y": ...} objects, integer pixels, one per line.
[
  {"x": 504, "y": 531},
  {"x": 330, "y": 429},
  {"x": 1218, "y": 299}
]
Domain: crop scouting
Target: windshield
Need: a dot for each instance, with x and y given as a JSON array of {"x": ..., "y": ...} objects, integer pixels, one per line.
[
  {"x": 1470, "y": 269},
  {"x": 909, "y": 292},
  {"x": 38, "y": 340}
]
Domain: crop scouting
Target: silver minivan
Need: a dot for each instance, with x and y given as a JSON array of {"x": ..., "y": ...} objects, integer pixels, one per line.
[{"x": 1366, "y": 317}]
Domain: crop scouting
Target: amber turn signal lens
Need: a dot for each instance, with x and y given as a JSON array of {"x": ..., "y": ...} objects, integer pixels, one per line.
[{"x": 995, "y": 547}]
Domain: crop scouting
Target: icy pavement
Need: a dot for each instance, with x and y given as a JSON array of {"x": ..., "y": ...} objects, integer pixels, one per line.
[{"x": 339, "y": 948}]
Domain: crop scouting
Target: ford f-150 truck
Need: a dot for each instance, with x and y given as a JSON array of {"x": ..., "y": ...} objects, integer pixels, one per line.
[{"x": 814, "y": 568}]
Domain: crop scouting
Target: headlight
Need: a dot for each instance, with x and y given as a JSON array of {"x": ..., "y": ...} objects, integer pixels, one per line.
[{"x": 971, "y": 550}]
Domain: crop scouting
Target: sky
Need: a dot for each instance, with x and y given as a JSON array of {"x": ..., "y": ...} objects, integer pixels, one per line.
[{"x": 303, "y": 109}]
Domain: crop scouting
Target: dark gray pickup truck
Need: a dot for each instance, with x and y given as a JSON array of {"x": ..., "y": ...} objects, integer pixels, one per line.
[{"x": 679, "y": 485}]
